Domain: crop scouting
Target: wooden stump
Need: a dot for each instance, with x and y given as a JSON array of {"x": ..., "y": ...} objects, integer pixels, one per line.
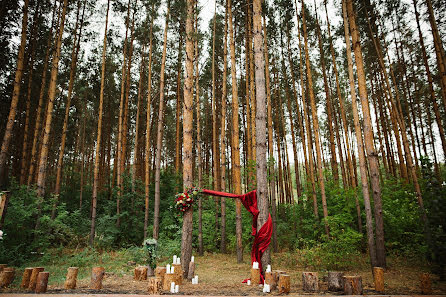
[
  {"x": 168, "y": 278},
  {"x": 136, "y": 273},
  {"x": 143, "y": 273},
  {"x": 378, "y": 277},
  {"x": 155, "y": 285},
  {"x": 191, "y": 272},
  {"x": 3, "y": 266},
  {"x": 70, "y": 282},
  {"x": 276, "y": 275},
  {"x": 178, "y": 272},
  {"x": 42, "y": 282},
  {"x": 352, "y": 285},
  {"x": 160, "y": 272},
  {"x": 425, "y": 282},
  {"x": 33, "y": 278},
  {"x": 310, "y": 281},
  {"x": 26, "y": 277},
  {"x": 269, "y": 280},
  {"x": 7, "y": 277},
  {"x": 255, "y": 276},
  {"x": 284, "y": 284},
  {"x": 335, "y": 281},
  {"x": 97, "y": 274}
]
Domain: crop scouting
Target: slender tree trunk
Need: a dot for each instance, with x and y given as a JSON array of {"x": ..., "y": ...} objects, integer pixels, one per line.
[
  {"x": 307, "y": 123},
  {"x": 159, "y": 138},
  {"x": 98, "y": 139},
  {"x": 362, "y": 160},
  {"x": 315, "y": 124},
  {"x": 188, "y": 115},
  {"x": 199, "y": 154},
  {"x": 334, "y": 162},
  {"x": 179, "y": 105},
  {"x": 372, "y": 156},
  {"x": 235, "y": 147},
  {"x": 439, "y": 50},
  {"x": 223, "y": 138},
  {"x": 74, "y": 55},
  {"x": 147, "y": 144},
  {"x": 15, "y": 96}
]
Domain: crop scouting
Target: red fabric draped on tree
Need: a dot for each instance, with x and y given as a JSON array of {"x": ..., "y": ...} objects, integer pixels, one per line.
[{"x": 262, "y": 238}]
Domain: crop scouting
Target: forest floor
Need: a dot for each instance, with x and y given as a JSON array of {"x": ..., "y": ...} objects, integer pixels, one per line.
[{"x": 220, "y": 274}]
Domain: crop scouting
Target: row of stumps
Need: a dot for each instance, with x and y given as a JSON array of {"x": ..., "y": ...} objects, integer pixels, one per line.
[
  {"x": 337, "y": 281},
  {"x": 35, "y": 279}
]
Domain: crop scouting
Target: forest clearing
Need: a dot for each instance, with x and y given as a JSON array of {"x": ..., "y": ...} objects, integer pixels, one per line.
[
  {"x": 148, "y": 145},
  {"x": 401, "y": 278}
]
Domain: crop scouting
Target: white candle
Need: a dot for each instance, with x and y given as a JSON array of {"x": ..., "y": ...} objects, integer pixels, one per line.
[
  {"x": 172, "y": 287},
  {"x": 192, "y": 259},
  {"x": 268, "y": 268},
  {"x": 167, "y": 268},
  {"x": 249, "y": 282},
  {"x": 177, "y": 288},
  {"x": 196, "y": 279},
  {"x": 178, "y": 261},
  {"x": 268, "y": 288},
  {"x": 193, "y": 281},
  {"x": 174, "y": 259},
  {"x": 172, "y": 269}
]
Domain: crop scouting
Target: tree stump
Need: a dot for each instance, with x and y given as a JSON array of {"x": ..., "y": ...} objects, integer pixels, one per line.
[
  {"x": 284, "y": 284},
  {"x": 70, "y": 281},
  {"x": 42, "y": 282},
  {"x": 168, "y": 278},
  {"x": 7, "y": 277},
  {"x": 255, "y": 276},
  {"x": 378, "y": 277},
  {"x": 155, "y": 285},
  {"x": 26, "y": 277},
  {"x": 352, "y": 285},
  {"x": 33, "y": 278},
  {"x": 160, "y": 272},
  {"x": 269, "y": 280},
  {"x": 310, "y": 281},
  {"x": 142, "y": 275},
  {"x": 191, "y": 272},
  {"x": 97, "y": 274},
  {"x": 3, "y": 266},
  {"x": 335, "y": 281},
  {"x": 425, "y": 282},
  {"x": 276, "y": 275},
  {"x": 136, "y": 273},
  {"x": 178, "y": 272}
]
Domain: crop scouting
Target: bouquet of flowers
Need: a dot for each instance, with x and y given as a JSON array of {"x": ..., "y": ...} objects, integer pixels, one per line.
[{"x": 185, "y": 200}]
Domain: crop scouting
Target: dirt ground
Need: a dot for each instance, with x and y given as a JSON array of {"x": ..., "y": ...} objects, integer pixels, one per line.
[{"x": 222, "y": 275}]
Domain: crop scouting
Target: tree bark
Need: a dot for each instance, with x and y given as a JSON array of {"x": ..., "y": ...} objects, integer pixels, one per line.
[
  {"x": 188, "y": 114},
  {"x": 159, "y": 138},
  {"x": 15, "y": 96},
  {"x": 98, "y": 139},
  {"x": 235, "y": 146}
]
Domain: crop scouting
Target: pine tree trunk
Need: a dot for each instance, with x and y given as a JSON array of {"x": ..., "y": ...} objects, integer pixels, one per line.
[
  {"x": 315, "y": 123},
  {"x": 148, "y": 126},
  {"x": 159, "y": 138},
  {"x": 98, "y": 139},
  {"x": 15, "y": 97},
  {"x": 41, "y": 178},
  {"x": 188, "y": 114},
  {"x": 334, "y": 162},
  {"x": 307, "y": 124},
  {"x": 223, "y": 137},
  {"x": 74, "y": 55},
  {"x": 372, "y": 156},
  {"x": 178, "y": 105},
  {"x": 235, "y": 146}
]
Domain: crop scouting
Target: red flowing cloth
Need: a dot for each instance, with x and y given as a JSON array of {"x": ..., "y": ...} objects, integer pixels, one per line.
[{"x": 262, "y": 239}]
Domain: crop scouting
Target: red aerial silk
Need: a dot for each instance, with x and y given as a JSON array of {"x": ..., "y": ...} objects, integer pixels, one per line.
[{"x": 262, "y": 239}]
